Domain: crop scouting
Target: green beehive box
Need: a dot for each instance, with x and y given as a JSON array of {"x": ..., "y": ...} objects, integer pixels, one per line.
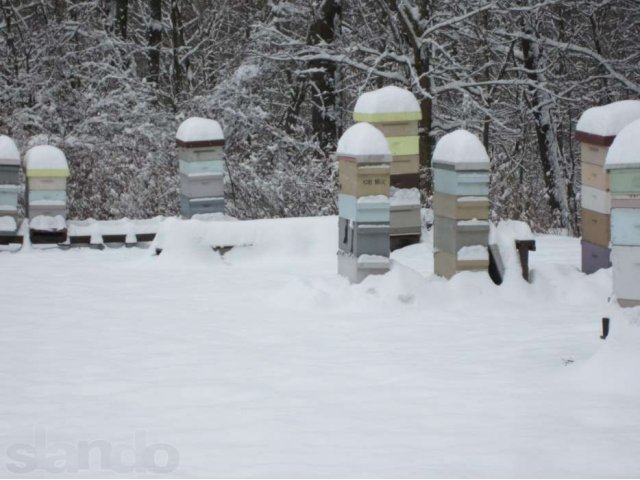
[{"x": 625, "y": 181}]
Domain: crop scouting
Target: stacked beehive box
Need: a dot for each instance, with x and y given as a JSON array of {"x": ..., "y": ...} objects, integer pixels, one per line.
[
  {"x": 460, "y": 204},
  {"x": 46, "y": 171},
  {"x": 396, "y": 113},
  {"x": 200, "y": 143},
  {"x": 596, "y": 131},
  {"x": 623, "y": 165},
  {"x": 363, "y": 202},
  {"x": 9, "y": 181}
]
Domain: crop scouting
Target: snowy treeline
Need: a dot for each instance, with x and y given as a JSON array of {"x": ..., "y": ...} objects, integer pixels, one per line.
[{"x": 110, "y": 80}]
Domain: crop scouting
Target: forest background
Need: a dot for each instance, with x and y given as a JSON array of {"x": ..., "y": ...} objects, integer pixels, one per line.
[{"x": 109, "y": 81}]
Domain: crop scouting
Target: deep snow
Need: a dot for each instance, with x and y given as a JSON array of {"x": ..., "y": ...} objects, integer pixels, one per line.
[{"x": 265, "y": 362}]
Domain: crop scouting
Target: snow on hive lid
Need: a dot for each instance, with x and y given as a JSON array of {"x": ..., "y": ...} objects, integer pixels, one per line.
[
  {"x": 196, "y": 132},
  {"x": 463, "y": 150},
  {"x": 365, "y": 143},
  {"x": 387, "y": 105},
  {"x": 625, "y": 149},
  {"x": 46, "y": 161},
  {"x": 600, "y": 125},
  {"x": 9, "y": 154}
]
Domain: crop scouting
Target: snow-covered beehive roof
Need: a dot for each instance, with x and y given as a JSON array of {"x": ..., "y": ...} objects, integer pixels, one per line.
[
  {"x": 600, "y": 125},
  {"x": 462, "y": 150},
  {"x": 9, "y": 154},
  {"x": 364, "y": 143},
  {"x": 46, "y": 161},
  {"x": 196, "y": 132},
  {"x": 625, "y": 149},
  {"x": 387, "y": 105}
]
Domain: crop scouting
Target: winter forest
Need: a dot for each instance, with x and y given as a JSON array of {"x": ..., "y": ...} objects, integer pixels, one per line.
[{"x": 109, "y": 81}]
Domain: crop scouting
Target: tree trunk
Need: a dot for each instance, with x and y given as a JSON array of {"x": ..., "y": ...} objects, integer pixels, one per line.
[
  {"x": 178, "y": 41},
  {"x": 155, "y": 39},
  {"x": 323, "y": 94},
  {"x": 551, "y": 158},
  {"x": 121, "y": 17}
]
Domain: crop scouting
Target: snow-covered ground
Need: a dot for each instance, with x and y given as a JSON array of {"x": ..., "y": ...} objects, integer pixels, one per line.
[{"x": 265, "y": 362}]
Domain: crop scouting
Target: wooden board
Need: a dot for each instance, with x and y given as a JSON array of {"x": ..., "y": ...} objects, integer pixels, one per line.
[
  {"x": 461, "y": 183},
  {"x": 205, "y": 166},
  {"x": 47, "y": 196},
  {"x": 460, "y": 208},
  {"x": 201, "y": 154},
  {"x": 625, "y": 226},
  {"x": 49, "y": 210},
  {"x": 593, "y": 154},
  {"x": 595, "y": 176},
  {"x": 40, "y": 237},
  {"x": 405, "y": 164},
  {"x": 396, "y": 117},
  {"x": 202, "y": 185},
  {"x": 9, "y": 175},
  {"x": 401, "y": 146},
  {"x": 450, "y": 235},
  {"x": 191, "y": 206},
  {"x": 46, "y": 183},
  {"x": 349, "y": 267},
  {"x": 365, "y": 211},
  {"x": 625, "y": 182},
  {"x": 399, "y": 129},
  {"x": 594, "y": 257},
  {"x": 626, "y": 272},
  {"x": 363, "y": 238},
  {"x": 595, "y": 200},
  {"x": 405, "y": 220},
  {"x": 447, "y": 265},
  {"x": 625, "y": 202},
  {"x": 360, "y": 180},
  {"x": 596, "y": 227}
]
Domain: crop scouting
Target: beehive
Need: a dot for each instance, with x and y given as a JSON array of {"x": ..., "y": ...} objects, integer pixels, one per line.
[
  {"x": 47, "y": 171},
  {"x": 396, "y": 113},
  {"x": 363, "y": 203},
  {"x": 623, "y": 165},
  {"x": 200, "y": 144},
  {"x": 596, "y": 131},
  {"x": 9, "y": 182},
  {"x": 460, "y": 204}
]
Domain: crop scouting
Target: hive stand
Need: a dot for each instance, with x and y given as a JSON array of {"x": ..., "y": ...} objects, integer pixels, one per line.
[{"x": 496, "y": 264}]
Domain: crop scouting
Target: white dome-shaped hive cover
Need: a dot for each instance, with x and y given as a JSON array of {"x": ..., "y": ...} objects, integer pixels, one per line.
[
  {"x": 9, "y": 154},
  {"x": 463, "y": 150},
  {"x": 625, "y": 149},
  {"x": 387, "y": 104},
  {"x": 599, "y": 125},
  {"x": 364, "y": 142},
  {"x": 46, "y": 160},
  {"x": 199, "y": 132}
]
